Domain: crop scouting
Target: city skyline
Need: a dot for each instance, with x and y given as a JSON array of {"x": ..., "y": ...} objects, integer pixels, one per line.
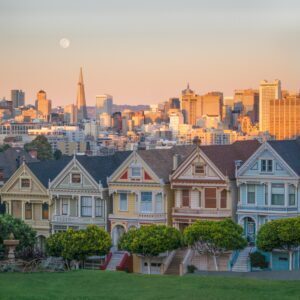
[{"x": 145, "y": 52}]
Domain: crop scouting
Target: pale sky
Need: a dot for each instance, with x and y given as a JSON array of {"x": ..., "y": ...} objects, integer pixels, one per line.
[{"x": 145, "y": 51}]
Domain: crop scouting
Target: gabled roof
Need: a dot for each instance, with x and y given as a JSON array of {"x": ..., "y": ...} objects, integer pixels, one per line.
[
  {"x": 289, "y": 150},
  {"x": 101, "y": 167},
  {"x": 12, "y": 158},
  {"x": 161, "y": 160},
  {"x": 224, "y": 156},
  {"x": 48, "y": 169}
]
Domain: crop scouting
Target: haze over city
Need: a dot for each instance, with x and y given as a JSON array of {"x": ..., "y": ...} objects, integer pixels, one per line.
[{"x": 144, "y": 52}]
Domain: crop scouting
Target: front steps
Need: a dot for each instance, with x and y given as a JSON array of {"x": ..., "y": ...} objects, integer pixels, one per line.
[
  {"x": 174, "y": 266},
  {"x": 242, "y": 262},
  {"x": 115, "y": 260}
]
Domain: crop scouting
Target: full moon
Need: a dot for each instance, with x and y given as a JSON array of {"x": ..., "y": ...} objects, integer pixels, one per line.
[{"x": 64, "y": 43}]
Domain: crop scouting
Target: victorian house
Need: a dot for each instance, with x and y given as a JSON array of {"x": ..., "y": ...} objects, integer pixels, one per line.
[
  {"x": 25, "y": 195},
  {"x": 204, "y": 183},
  {"x": 79, "y": 193}
]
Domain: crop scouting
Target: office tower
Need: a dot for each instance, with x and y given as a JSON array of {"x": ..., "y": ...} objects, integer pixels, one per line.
[
  {"x": 17, "y": 98},
  {"x": 174, "y": 103},
  {"x": 189, "y": 105},
  {"x": 43, "y": 105},
  {"x": 70, "y": 114},
  {"x": 284, "y": 117},
  {"x": 267, "y": 91},
  {"x": 81, "y": 104},
  {"x": 212, "y": 104},
  {"x": 250, "y": 100},
  {"x": 117, "y": 121},
  {"x": 104, "y": 104}
]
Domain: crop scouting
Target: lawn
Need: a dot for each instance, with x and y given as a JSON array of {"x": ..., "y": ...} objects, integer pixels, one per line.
[{"x": 119, "y": 285}]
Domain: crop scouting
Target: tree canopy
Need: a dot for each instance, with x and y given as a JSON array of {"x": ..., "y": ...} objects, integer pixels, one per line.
[
  {"x": 282, "y": 234},
  {"x": 21, "y": 231},
  {"x": 215, "y": 237},
  {"x": 42, "y": 146},
  {"x": 57, "y": 154},
  {"x": 150, "y": 241},
  {"x": 79, "y": 244}
]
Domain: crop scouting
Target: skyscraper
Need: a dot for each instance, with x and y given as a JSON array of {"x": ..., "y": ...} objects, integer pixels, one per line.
[
  {"x": 17, "y": 98},
  {"x": 104, "y": 104},
  {"x": 43, "y": 105},
  {"x": 267, "y": 91},
  {"x": 81, "y": 104}
]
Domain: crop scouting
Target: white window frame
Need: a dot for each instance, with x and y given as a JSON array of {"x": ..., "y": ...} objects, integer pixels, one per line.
[
  {"x": 64, "y": 203},
  {"x": 75, "y": 173},
  {"x": 254, "y": 194},
  {"x": 98, "y": 205},
  {"x": 266, "y": 160},
  {"x": 86, "y": 206},
  {"x": 278, "y": 205},
  {"x": 142, "y": 206},
  {"x": 120, "y": 208},
  {"x": 136, "y": 167},
  {"x": 161, "y": 210}
]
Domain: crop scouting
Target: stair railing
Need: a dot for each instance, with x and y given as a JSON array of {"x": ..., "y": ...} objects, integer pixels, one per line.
[
  {"x": 233, "y": 259},
  {"x": 106, "y": 262},
  {"x": 186, "y": 261}
]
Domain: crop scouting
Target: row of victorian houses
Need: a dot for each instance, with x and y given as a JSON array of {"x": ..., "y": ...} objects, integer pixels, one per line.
[{"x": 251, "y": 183}]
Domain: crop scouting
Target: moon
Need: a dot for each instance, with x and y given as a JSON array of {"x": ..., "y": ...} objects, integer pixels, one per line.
[{"x": 64, "y": 43}]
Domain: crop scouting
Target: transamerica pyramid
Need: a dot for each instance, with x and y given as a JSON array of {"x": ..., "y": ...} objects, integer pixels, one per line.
[{"x": 81, "y": 104}]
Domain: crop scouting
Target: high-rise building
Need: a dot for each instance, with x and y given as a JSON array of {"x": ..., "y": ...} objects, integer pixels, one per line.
[
  {"x": 104, "y": 104},
  {"x": 174, "y": 103},
  {"x": 17, "y": 98},
  {"x": 43, "y": 105},
  {"x": 284, "y": 117},
  {"x": 189, "y": 105},
  {"x": 81, "y": 104},
  {"x": 70, "y": 114},
  {"x": 212, "y": 104},
  {"x": 267, "y": 91}
]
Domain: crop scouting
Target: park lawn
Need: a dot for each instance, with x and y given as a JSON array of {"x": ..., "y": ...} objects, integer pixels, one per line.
[{"x": 86, "y": 284}]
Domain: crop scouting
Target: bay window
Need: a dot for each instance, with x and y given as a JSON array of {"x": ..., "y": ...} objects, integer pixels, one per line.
[
  {"x": 28, "y": 211},
  {"x": 86, "y": 206},
  {"x": 277, "y": 194},
  {"x": 158, "y": 203},
  {"x": 65, "y": 206},
  {"x": 146, "y": 202},
  {"x": 98, "y": 207},
  {"x": 292, "y": 196},
  {"x": 123, "y": 205},
  {"x": 45, "y": 211},
  {"x": 251, "y": 194}
]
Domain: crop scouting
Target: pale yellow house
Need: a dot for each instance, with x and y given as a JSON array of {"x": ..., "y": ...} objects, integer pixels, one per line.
[{"x": 141, "y": 193}]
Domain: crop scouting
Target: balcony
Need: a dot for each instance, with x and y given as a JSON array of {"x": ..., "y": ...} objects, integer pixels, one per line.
[
  {"x": 76, "y": 220},
  {"x": 262, "y": 208},
  {"x": 141, "y": 216},
  {"x": 38, "y": 223},
  {"x": 153, "y": 216},
  {"x": 201, "y": 212}
]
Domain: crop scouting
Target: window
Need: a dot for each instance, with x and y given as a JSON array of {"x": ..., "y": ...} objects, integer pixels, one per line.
[
  {"x": 86, "y": 206},
  {"x": 266, "y": 195},
  {"x": 28, "y": 211},
  {"x": 199, "y": 169},
  {"x": 45, "y": 211},
  {"x": 266, "y": 165},
  {"x": 76, "y": 178},
  {"x": 185, "y": 198},
  {"x": 136, "y": 172},
  {"x": 200, "y": 200},
  {"x": 65, "y": 206},
  {"x": 158, "y": 203},
  {"x": 210, "y": 198},
  {"x": 292, "y": 198},
  {"x": 251, "y": 194},
  {"x": 25, "y": 183},
  {"x": 223, "y": 203},
  {"x": 146, "y": 201},
  {"x": 98, "y": 207},
  {"x": 123, "y": 202},
  {"x": 277, "y": 194}
]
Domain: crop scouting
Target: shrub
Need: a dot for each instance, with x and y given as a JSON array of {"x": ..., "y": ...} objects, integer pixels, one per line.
[
  {"x": 191, "y": 268},
  {"x": 258, "y": 260}
]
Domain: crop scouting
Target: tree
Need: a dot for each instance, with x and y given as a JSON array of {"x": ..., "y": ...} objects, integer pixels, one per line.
[
  {"x": 21, "y": 231},
  {"x": 57, "y": 154},
  {"x": 215, "y": 237},
  {"x": 4, "y": 147},
  {"x": 42, "y": 146},
  {"x": 79, "y": 244},
  {"x": 283, "y": 234},
  {"x": 150, "y": 241}
]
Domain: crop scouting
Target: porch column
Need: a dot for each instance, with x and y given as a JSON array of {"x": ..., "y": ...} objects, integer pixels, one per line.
[
  {"x": 9, "y": 210},
  {"x": 286, "y": 194},
  {"x": 23, "y": 210},
  {"x": 79, "y": 207},
  {"x": 93, "y": 207},
  {"x": 269, "y": 193}
]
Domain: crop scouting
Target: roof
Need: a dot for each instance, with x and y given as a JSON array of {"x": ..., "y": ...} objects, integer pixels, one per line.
[
  {"x": 161, "y": 160},
  {"x": 11, "y": 159},
  {"x": 101, "y": 167},
  {"x": 48, "y": 169},
  {"x": 224, "y": 156},
  {"x": 289, "y": 150}
]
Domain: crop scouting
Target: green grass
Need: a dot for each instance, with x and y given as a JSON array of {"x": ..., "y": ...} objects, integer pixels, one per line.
[{"x": 119, "y": 285}]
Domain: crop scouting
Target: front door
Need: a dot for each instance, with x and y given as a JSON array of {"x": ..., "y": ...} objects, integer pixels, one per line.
[{"x": 250, "y": 230}]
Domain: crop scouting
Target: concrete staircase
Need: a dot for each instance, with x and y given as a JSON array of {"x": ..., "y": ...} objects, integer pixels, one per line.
[
  {"x": 173, "y": 268},
  {"x": 242, "y": 262},
  {"x": 115, "y": 260}
]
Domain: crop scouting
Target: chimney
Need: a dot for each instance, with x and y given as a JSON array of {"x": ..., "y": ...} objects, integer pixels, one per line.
[
  {"x": 33, "y": 153},
  {"x": 237, "y": 164},
  {"x": 1, "y": 175},
  {"x": 175, "y": 161}
]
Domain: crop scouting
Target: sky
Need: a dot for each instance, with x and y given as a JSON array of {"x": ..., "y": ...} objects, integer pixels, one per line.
[{"x": 143, "y": 51}]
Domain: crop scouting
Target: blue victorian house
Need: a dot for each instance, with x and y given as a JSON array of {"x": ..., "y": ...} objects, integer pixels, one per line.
[{"x": 269, "y": 189}]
